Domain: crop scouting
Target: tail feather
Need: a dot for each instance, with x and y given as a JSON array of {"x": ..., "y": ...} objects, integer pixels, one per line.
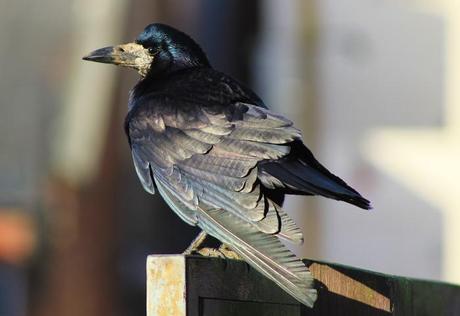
[
  {"x": 262, "y": 251},
  {"x": 300, "y": 178},
  {"x": 301, "y": 173}
]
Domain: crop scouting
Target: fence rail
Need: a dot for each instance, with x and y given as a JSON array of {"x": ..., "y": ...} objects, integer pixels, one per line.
[{"x": 200, "y": 286}]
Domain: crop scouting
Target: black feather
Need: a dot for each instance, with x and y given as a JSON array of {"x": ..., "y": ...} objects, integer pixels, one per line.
[{"x": 303, "y": 174}]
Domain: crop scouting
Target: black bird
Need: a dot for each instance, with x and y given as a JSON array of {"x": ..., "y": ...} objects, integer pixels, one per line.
[{"x": 219, "y": 157}]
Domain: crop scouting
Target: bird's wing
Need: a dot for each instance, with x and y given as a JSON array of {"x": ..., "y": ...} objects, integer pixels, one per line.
[
  {"x": 265, "y": 252},
  {"x": 204, "y": 162},
  {"x": 211, "y": 157}
]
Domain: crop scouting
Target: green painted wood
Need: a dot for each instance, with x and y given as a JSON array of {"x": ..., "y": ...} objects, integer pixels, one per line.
[{"x": 231, "y": 288}]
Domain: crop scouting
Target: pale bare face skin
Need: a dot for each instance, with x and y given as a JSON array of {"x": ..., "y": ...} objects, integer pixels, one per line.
[{"x": 130, "y": 55}]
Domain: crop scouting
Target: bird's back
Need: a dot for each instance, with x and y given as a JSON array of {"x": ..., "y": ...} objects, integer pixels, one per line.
[{"x": 298, "y": 173}]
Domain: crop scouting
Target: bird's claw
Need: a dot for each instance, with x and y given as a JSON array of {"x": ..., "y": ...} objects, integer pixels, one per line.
[
  {"x": 229, "y": 253},
  {"x": 223, "y": 252},
  {"x": 210, "y": 252}
]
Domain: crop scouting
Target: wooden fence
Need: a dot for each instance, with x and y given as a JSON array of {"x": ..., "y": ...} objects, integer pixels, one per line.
[{"x": 199, "y": 286}]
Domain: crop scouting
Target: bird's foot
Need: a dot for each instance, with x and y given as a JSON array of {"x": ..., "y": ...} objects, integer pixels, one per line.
[
  {"x": 229, "y": 253},
  {"x": 210, "y": 252},
  {"x": 223, "y": 252}
]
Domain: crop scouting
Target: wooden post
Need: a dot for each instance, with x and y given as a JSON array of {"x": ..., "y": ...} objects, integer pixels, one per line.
[
  {"x": 166, "y": 293},
  {"x": 200, "y": 286}
]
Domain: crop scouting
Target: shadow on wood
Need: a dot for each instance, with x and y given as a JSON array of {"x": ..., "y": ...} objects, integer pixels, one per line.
[{"x": 199, "y": 286}]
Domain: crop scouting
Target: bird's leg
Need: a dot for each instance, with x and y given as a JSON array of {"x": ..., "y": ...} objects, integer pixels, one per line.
[
  {"x": 195, "y": 243},
  {"x": 223, "y": 251}
]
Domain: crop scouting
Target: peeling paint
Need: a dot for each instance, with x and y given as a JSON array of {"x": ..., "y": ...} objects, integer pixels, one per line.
[{"x": 166, "y": 286}]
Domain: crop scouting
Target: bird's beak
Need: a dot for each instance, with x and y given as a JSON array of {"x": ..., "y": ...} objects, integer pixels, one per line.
[{"x": 129, "y": 55}]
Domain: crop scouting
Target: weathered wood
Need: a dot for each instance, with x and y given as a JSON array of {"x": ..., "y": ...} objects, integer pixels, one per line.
[
  {"x": 199, "y": 286},
  {"x": 166, "y": 282}
]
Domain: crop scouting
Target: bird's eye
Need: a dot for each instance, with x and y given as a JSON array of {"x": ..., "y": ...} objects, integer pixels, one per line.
[{"x": 152, "y": 50}]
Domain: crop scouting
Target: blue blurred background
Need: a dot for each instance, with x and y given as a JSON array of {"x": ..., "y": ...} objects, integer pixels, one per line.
[{"x": 372, "y": 85}]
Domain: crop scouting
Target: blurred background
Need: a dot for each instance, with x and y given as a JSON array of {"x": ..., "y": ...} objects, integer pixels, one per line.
[{"x": 372, "y": 84}]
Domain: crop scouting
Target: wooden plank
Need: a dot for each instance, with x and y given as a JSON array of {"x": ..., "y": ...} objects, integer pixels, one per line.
[
  {"x": 166, "y": 285},
  {"x": 201, "y": 286},
  {"x": 350, "y": 291},
  {"x": 229, "y": 285}
]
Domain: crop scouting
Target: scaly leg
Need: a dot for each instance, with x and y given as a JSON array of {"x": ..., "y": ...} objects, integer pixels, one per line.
[
  {"x": 195, "y": 243},
  {"x": 223, "y": 251}
]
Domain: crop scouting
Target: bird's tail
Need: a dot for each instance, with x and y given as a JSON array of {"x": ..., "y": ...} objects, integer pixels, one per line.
[
  {"x": 262, "y": 251},
  {"x": 303, "y": 174}
]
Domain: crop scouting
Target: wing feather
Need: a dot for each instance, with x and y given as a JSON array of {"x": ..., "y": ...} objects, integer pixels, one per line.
[
  {"x": 142, "y": 168},
  {"x": 254, "y": 149},
  {"x": 223, "y": 165},
  {"x": 179, "y": 139},
  {"x": 182, "y": 208},
  {"x": 288, "y": 228},
  {"x": 262, "y": 251},
  {"x": 266, "y": 135}
]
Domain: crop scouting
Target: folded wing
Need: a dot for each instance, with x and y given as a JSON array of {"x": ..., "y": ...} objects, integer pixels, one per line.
[{"x": 206, "y": 166}]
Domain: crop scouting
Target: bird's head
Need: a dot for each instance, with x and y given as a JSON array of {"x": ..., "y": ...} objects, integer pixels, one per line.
[{"x": 159, "y": 49}]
